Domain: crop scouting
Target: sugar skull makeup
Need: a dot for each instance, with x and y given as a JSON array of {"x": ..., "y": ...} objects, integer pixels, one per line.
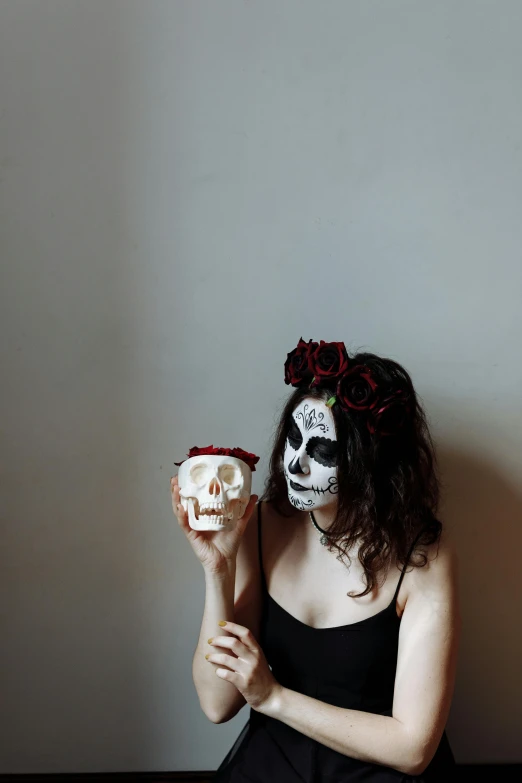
[{"x": 310, "y": 456}]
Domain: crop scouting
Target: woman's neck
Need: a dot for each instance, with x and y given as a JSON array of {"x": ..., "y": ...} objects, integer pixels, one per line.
[{"x": 324, "y": 516}]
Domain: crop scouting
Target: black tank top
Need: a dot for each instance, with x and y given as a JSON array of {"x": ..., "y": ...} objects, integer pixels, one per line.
[{"x": 351, "y": 666}]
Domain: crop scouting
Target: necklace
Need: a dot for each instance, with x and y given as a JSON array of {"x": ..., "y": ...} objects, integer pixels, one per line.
[{"x": 324, "y": 535}]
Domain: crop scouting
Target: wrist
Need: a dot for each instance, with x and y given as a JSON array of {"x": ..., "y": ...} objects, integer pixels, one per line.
[
  {"x": 274, "y": 705},
  {"x": 222, "y": 573}
]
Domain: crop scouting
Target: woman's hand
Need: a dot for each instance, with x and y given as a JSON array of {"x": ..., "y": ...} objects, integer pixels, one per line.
[
  {"x": 215, "y": 549},
  {"x": 247, "y": 667}
]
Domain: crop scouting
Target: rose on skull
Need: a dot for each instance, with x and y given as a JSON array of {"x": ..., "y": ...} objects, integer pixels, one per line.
[{"x": 246, "y": 456}]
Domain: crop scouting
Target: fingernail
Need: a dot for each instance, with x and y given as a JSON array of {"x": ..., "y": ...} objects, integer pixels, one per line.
[
  {"x": 206, "y": 656},
  {"x": 222, "y": 622},
  {"x": 210, "y": 640}
]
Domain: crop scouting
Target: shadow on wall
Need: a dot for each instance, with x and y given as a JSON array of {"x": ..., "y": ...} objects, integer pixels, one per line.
[{"x": 484, "y": 512}]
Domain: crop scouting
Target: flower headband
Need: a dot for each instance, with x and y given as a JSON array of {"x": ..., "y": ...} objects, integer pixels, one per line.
[
  {"x": 236, "y": 452},
  {"x": 311, "y": 364}
]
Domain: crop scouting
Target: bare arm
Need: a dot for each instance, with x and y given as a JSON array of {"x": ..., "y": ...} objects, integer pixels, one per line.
[
  {"x": 214, "y": 693},
  {"x": 232, "y": 593}
]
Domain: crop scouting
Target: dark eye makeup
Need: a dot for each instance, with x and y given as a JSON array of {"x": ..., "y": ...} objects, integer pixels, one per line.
[
  {"x": 323, "y": 450},
  {"x": 294, "y": 436}
]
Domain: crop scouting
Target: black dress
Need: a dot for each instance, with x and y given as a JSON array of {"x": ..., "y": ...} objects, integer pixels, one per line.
[{"x": 351, "y": 666}]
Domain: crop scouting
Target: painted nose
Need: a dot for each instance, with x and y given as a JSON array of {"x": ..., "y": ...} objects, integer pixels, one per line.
[
  {"x": 214, "y": 488},
  {"x": 295, "y": 467}
]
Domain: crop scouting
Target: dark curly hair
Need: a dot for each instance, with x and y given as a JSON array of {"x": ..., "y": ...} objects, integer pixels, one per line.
[{"x": 388, "y": 485}]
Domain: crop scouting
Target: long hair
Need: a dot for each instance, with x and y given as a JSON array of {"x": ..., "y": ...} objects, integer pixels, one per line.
[{"x": 388, "y": 486}]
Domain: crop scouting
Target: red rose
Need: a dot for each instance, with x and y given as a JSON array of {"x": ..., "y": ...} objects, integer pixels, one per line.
[
  {"x": 357, "y": 389},
  {"x": 246, "y": 456},
  {"x": 328, "y": 361},
  {"x": 390, "y": 415},
  {"x": 199, "y": 451},
  {"x": 219, "y": 451},
  {"x": 297, "y": 370}
]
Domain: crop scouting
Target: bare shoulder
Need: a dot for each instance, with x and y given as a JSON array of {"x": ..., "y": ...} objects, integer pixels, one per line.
[{"x": 437, "y": 582}]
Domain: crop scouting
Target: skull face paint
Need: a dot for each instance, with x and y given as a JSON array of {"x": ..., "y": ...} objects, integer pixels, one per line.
[{"x": 310, "y": 456}]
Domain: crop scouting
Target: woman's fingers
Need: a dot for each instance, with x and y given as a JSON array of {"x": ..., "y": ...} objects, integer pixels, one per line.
[
  {"x": 243, "y": 633},
  {"x": 179, "y": 512},
  {"x": 234, "y": 664},
  {"x": 175, "y": 493},
  {"x": 234, "y": 645},
  {"x": 174, "y": 487}
]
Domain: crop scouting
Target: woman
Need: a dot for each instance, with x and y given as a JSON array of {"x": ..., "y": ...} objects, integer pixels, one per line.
[{"x": 339, "y": 595}]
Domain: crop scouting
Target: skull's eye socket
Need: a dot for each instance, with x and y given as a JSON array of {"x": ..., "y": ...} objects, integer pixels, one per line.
[
  {"x": 230, "y": 474},
  {"x": 200, "y": 473}
]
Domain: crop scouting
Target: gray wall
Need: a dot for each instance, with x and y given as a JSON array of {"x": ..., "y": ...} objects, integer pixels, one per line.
[{"x": 186, "y": 188}]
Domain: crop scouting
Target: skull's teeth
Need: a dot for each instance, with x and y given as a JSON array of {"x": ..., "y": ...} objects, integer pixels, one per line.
[
  {"x": 215, "y": 519},
  {"x": 208, "y": 510}
]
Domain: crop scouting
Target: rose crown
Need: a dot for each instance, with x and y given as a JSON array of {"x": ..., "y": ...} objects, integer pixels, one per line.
[
  {"x": 315, "y": 364},
  {"x": 246, "y": 456}
]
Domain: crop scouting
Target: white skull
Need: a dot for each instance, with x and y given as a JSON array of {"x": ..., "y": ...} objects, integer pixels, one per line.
[{"x": 215, "y": 490}]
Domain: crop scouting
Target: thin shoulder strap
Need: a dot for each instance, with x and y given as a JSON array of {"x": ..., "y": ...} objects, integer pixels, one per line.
[
  {"x": 259, "y": 547},
  {"x": 407, "y": 561}
]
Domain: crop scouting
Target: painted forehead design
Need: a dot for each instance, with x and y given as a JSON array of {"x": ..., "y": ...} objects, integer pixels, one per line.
[{"x": 308, "y": 417}]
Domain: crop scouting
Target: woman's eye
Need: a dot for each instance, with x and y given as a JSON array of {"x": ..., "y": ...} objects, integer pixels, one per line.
[
  {"x": 323, "y": 450},
  {"x": 295, "y": 438}
]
